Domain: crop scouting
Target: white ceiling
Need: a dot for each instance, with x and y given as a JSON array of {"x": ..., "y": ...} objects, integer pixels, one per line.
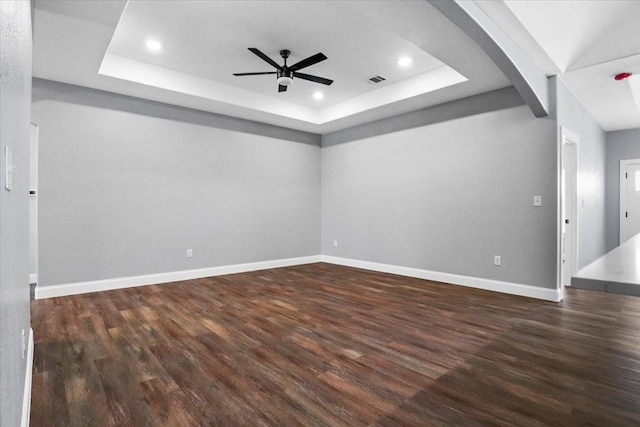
[
  {"x": 100, "y": 44},
  {"x": 201, "y": 57},
  {"x": 218, "y": 37},
  {"x": 586, "y": 43},
  {"x": 205, "y": 42}
]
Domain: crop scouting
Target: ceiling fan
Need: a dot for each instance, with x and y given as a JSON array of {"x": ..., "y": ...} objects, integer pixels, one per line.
[{"x": 286, "y": 73}]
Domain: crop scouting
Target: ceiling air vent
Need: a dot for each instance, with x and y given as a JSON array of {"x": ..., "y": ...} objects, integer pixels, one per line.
[{"x": 376, "y": 79}]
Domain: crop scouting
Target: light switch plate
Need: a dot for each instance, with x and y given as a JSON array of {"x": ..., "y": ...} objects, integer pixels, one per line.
[{"x": 8, "y": 169}]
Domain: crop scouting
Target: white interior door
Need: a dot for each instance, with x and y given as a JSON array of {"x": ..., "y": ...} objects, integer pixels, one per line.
[
  {"x": 566, "y": 277},
  {"x": 33, "y": 205},
  {"x": 631, "y": 220},
  {"x": 569, "y": 207}
]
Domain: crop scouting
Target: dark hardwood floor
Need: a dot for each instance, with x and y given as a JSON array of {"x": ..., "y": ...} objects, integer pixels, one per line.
[{"x": 327, "y": 345}]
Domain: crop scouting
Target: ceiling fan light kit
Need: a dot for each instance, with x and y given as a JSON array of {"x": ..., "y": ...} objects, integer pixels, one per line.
[
  {"x": 285, "y": 73},
  {"x": 285, "y": 78}
]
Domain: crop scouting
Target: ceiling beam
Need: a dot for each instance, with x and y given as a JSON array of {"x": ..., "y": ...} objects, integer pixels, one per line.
[{"x": 530, "y": 82}]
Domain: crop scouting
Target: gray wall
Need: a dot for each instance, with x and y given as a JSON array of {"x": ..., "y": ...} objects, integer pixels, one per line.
[
  {"x": 449, "y": 196},
  {"x": 127, "y": 185},
  {"x": 591, "y": 177},
  {"x": 15, "y": 105},
  {"x": 621, "y": 145}
]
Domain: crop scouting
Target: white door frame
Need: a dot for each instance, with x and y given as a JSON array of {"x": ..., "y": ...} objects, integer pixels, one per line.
[
  {"x": 623, "y": 197},
  {"x": 571, "y": 141}
]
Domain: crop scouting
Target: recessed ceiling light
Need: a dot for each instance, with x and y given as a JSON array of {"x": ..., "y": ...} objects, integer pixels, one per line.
[
  {"x": 153, "y": 45},
  {"x": 405, "y": 61},
  {"x": 318, "y": 96}
]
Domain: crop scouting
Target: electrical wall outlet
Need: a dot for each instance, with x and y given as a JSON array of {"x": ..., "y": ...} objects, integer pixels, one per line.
[
  {"x": 497, "y": 260},
  {"x": 189, "y": 253},
  {"x": 537, "y": 201},
  {"x": 335, "y": 243}
]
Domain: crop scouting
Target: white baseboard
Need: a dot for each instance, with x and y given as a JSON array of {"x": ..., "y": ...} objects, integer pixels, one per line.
[
  {"x": 455, "y": 279},
  {"x": 174, "y": 276},
  {"x": 26, "y": 397},
  {"x": 151, "y": 279},
  {"x": 33, "y": 278}
]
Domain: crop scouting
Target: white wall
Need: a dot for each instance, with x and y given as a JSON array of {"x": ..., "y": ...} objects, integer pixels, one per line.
[
  {"x": 591, "y": 173},
  {"x": 621, "y": 145},
  {"x": 449, "y": 196},
  {"x": 126, "y": 186},
  {"x": 15, "y": 104}
]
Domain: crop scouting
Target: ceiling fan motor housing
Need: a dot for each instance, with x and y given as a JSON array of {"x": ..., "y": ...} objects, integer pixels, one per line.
[{"x": 285, "y": 77}]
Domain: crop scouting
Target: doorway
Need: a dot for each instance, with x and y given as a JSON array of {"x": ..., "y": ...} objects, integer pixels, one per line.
[
  {"x": 629, "y": 199},
  {"x": 569, "y": 206},
  {"x": 33, "y": 205}
]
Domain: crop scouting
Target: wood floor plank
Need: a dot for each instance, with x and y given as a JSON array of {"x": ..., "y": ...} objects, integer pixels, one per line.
[
  {"x": 126, "y": 404},
  {"x": 325, "y": 345},
  {"x": 207, "y": 396},
  {"x": 49, "y": 407},
  {"x": 170, "y": 406}
]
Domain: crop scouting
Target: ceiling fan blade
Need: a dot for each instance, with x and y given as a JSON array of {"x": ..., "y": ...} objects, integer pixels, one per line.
[
  {"x": 307, "y": 62},
  {"x": 311, "y": 78},
  {"x": 254, "y": 74},
  {"x": 265, "y": 57},
  {"x": 282, "y": 88}
]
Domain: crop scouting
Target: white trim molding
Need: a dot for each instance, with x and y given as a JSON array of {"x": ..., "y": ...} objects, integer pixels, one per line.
[
  {"x": 173, "y": 276},
  {"x": 547, "y": 294},
  {"x": 26, "y": 397}
]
